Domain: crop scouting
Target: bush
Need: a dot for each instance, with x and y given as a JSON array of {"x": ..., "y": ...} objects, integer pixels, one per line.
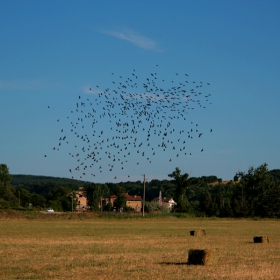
[
  {"x": 4, "y": 204},
  {"x": 156, "y": 207},
  {"x": 128, "y": 209}
]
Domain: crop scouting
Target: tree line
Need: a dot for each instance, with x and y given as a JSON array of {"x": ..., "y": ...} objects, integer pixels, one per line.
[{"x": 255, "y": 192}]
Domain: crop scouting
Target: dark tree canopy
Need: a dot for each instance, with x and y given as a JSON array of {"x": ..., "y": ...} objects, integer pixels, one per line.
[
  {"x": 95, "y": 193},
  {"x": 120, "y": 201},
  {"x": 5, "y": 177},
  {"x": 182, "y": 182},
  {"x": 259, "y": 189}
]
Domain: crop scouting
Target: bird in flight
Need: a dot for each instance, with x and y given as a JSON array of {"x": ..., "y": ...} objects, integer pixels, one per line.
[{"x": 135, "y": 120}]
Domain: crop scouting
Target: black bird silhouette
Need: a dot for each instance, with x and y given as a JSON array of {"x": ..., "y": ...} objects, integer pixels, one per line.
[{"x": 108, "y": 126}]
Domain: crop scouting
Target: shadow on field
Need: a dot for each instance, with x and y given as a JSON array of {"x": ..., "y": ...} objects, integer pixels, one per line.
[{"x": 174, "y": 263}]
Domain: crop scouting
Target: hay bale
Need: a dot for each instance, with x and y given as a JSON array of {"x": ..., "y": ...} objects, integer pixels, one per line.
[
  {"x": 199, "y": 232},
  {"x": 261, "y": 239},
  {"x": 200, "y": 257}
]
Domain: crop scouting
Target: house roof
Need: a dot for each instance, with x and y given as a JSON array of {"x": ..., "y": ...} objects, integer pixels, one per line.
[
  {"x": 129, "y": 197},
  {"x": 132, "y": 197}
]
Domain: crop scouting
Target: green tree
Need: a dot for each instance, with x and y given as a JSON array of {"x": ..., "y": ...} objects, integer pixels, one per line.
[
  {"x": 56, "y": 205},
  {"x": 95, "y": 194},
  {"x": 120, "y": 201},
  {"x": 7, "y": 195},
  {"x": 206, "y": 203},
  {"x": 5, "y": 177},
  {"x": 259, "y": 188},
  {"x": 24, "y": 197},
  {"x": 108, "y": 207},
  {"x": 60, "y": 199},
  {"x": 271, "y": 201},
  {"x": 182, "y": 182},
  {"x": 37, "y": 200}
]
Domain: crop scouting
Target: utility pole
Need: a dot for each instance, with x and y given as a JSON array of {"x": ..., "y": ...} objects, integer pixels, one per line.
[
  {"x": 72, "y": 196},
  {"x": 72, "y": 201},
  {"x": 144, "y": 192}
]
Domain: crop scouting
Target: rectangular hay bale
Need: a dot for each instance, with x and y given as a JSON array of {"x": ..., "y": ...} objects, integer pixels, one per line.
[
  {"x": 200, "y": 257},
  {"x": 199, "y": 232},
  {"x": 261, "y": 239}
]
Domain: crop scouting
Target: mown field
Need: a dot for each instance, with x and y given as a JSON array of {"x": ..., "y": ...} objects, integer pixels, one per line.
[{"x": 99, "y": 248}]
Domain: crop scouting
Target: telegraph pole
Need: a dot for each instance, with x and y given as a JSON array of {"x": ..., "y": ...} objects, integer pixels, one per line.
[
  {"x": 144, "y": 192},
  {"x": 72, "y": 201}
]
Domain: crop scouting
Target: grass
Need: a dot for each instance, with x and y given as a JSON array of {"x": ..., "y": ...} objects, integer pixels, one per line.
[{"x": 90, "y": 247}]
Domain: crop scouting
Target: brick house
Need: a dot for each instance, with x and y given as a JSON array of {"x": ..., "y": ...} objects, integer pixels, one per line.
[{"x": 134, "y": 201}]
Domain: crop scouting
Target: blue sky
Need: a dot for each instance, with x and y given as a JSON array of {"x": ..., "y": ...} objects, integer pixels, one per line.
[{"x": 52, "y": 52}]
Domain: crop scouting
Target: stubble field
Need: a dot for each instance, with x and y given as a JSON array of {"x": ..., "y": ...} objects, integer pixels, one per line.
[{"x": 95, "y": 248}]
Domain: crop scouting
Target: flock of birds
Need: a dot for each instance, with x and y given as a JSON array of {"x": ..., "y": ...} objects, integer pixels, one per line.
[{"x": 131, "y": 123}]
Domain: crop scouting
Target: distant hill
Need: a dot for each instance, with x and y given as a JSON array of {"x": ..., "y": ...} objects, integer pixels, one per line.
[
  {"x": 275, "y": 173},
  {"x": 43, "y": 184},
  {"x": 21, "y": 179}
]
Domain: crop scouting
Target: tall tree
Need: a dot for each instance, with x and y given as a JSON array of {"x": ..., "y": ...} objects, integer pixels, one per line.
[
  {"x": 120, "y": 201},
  {"x": 60, "y": 199},
  {"x": 24, "y": 197},
  {"x": 5, "y": 177},
  {"x": 182, "y": 182},
  {"x": 7, "y": 197},
  {"x": 95, "y": 194},
  {"x": 259, "y": 187}
]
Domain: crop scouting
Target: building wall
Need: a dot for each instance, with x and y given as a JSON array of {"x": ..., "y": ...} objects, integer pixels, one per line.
[
  {"x": 81, "y": 203},
  {"x": 134, "y": 204}
]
